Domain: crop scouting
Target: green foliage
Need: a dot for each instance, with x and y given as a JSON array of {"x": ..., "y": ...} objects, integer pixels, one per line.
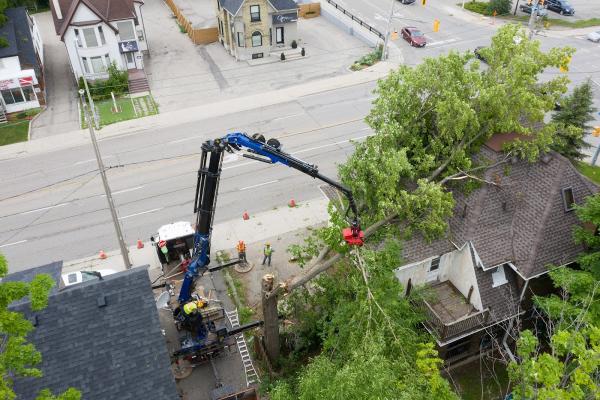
[
  {"x": 500, "y": 6},
  {"x": 429, "y": 120},
  {"x": 117, "y": 83},
  {"x": 368, "y": 60},
  {"x": 479, "y": 7},
  {"x": 567, "y": 371},
  {"x": 573, "y": 120},
  {"x": 19, "y": 357},
  {"x": 589, "y": 214}
]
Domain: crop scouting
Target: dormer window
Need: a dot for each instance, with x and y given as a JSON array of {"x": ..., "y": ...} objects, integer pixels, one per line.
[
  {"x": 568, "y": 199},
  {"x": 499, "y": 277}
]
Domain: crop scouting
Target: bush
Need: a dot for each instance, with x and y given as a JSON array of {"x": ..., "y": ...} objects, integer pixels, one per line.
[
  {"x": 501, "y": 7},
  {"x": 479, "y": 7},
  {"x": 303, "y": 52},
  {"x": 282, "y": 57},
  {"x": 294, "y": 44},
  {"x": 117, "y": 83}
]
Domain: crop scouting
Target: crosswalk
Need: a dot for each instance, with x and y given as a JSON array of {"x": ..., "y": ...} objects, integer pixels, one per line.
[{"x": 251, "y": 374}]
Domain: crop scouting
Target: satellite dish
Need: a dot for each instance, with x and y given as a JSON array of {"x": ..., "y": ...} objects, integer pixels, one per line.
[{"x": 163, "y": 300}]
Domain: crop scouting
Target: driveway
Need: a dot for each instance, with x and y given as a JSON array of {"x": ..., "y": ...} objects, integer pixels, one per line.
[
  {"x": 182, "y": 74},
  {"x": 61, "y": 114}
]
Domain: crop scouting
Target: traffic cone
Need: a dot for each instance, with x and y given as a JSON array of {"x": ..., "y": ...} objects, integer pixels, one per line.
[
  {"x": 245, "y": 216},
  {"x": 292, "y": 203},
  {"x": 102, "y": 255},
  {"x": 140, "y": 245}
]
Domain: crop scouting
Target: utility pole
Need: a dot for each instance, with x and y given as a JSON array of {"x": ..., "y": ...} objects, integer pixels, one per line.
[
  {"x": 384, "y": 52},
  {"x": 533, "y": 17},
  {"x": 85, "y": 84},
  {"x": 111, "y": 204}
]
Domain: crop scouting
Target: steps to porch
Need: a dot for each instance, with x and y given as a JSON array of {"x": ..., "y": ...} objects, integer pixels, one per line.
[{"x": 138, "y": 82}]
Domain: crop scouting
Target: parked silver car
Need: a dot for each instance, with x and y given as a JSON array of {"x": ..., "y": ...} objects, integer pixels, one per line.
[{"x": 594, "y": 36}]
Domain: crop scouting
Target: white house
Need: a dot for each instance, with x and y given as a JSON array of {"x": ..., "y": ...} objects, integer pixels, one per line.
[
  {"x": 97, "y": 33},
  {"x": 21, "y": 66}
]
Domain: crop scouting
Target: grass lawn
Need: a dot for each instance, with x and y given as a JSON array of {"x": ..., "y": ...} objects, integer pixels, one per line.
[
  {"x": 474, "y": 383},
  {"x": 583, "y": 23},
  {"x": 127, "y": 110},
  {"x": 13, "y": 132},
  {"x": 591, "y": 171}
]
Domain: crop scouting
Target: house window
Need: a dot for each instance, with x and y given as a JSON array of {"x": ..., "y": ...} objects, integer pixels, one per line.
[
  {"x": 102, "y": 38},
  {"x": 78, "y": 38},
  {"x": 219, "y": 5},
  {"x": 256, "y": 39},
  {"x": 257, "y": 55},
  {"x": 254, "y": 13},
  {"x": 97, "y": 65},
  {"x": 435, "y": 264},
  {"x": 279, "y": 35},
  {"x": 126, "y": 31},
  {"x": 568, "y": 199},
  {"x": 86, "y": 67},
  {"x": 240, "y": 39},
  {"x": 107, "y": 60},
  {"x": 28, "y": 93},
  {"x": 90, "y": 37},
  {"x": 13, "y": 96},
  {"x": 498, "y": 277}
]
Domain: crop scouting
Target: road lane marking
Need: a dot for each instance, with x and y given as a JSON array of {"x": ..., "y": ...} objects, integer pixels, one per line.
[
  {"x": 259, "y": 184},
  {"x": 287, "y": 116},
  {"x": 141, "y": 213},
  {"x": 240, "y": 165},
  {"x": 442, "y": 42},
  {"x": 91, "y": 160},
  {"x": 229, "y": 158},
  {"x": 126, "y": 190},
  {"x": 184, "y": 140},
  {"x": 13, "y": 243},
  {"x": 43, "y": 208},
  {"x": 332, "y": 144}
]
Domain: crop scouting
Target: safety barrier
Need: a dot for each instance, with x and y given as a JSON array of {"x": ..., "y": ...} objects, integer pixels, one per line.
[{"x": 356, "y": 19}]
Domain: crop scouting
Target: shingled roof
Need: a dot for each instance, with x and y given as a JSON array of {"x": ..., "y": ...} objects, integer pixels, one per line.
[
  {"x": 233, "y": 6},
  {"x": 17, "y": 33},
  {"x": 102, "y": 337},
  {"x": 522, "y": 220},
  {"x": 53, "y": 269},
  {"x": 106, "y": 10}
]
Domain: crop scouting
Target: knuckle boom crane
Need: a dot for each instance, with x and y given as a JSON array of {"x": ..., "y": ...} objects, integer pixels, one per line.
[{"x": 208, "y": 184}]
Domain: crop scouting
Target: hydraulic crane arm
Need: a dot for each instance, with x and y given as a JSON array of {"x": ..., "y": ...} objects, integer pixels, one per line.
[{"x": 208, "y": 185}]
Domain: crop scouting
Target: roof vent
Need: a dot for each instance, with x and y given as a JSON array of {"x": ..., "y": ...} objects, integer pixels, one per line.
[
  {"x": 34, "y": 320},
  {"x": 464, "y": 213},
  {"x": 101, "y": 301},
  {"x": 568, "y": 199},
  {"x": 546, "y": 158}
]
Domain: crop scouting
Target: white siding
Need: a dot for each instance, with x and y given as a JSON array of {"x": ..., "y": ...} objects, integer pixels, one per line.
[{"x": 84, "y": 14}]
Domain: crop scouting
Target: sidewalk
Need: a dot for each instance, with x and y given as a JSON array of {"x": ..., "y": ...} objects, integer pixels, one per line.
[
  {"x": 199, "y": 113},
  {"x": 225, "y": 235}
]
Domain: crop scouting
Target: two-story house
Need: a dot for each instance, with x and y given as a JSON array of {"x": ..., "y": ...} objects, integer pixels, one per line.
[
  {"x": 253, "y": 29},
  {"x": 500, "y": 243},
  {"x": 97, "y": 33},
  {"x": 21, "y": 64}
]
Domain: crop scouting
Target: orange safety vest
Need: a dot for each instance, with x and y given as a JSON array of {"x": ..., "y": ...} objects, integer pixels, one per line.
[{"x": 241, "y": 247}]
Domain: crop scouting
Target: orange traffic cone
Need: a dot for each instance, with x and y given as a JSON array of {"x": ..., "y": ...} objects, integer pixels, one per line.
[
  {"x": 245, "y": 216},
  {"x": 292, "y": 203},
  {"x": 102, "y": 255},
  {"x": 140, "y": 245}
]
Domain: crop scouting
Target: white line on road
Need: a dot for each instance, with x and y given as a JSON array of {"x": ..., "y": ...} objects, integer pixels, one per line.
[
  {"x": 13, "y": 243},
  {"x": 287, "y": 116},
  {"x": 126, "y": 190},
  {"x": 442, "y": 42},
  {"x": 184, "y": 140},
  {"x": 240, "y": 165},
  {"x": 91, "y": 160},
  {"x": 259, "y": 184},
  {"x": 141, "y": 213},
  {"x": 331, "y": 144},
  {"x": 44, "y": 208}
]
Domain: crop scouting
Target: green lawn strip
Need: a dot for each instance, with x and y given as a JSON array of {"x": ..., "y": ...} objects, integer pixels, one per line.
[
  {"x": 14, "y": 132},
  {"x": 590, "y": 171},
  {"x": 127, "y": 107}
]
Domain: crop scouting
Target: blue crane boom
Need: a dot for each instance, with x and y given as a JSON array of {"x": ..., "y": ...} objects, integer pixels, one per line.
[{"x": 207, "y": 187}]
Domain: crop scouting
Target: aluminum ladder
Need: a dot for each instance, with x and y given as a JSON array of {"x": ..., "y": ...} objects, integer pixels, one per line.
[{"x": 251, "y": 374}]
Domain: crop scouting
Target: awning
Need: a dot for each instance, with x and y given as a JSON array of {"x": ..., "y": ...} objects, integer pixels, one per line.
[{"x": 285, "y": 18}]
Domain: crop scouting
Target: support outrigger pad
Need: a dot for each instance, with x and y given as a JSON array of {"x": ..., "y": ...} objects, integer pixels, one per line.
[{"x": 353, "y": 237}]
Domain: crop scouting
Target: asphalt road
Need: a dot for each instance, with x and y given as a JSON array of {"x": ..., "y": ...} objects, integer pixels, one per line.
[{"x": 153, "y": 177}]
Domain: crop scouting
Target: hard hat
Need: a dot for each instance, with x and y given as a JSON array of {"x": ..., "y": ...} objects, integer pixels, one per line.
[{"x": 267, "y": 244}]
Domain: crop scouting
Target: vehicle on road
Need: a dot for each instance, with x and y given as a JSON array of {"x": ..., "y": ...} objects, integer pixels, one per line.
[
  {"x": 594, "y": 36},
  {"x": 541, "y": 11},
  {"x": 414, "y": 36},
  {"x": 407, "y": 1},
  {"x": 560, "y": 6},
  {"x": 478, "y": 55},
  {"x": 73, "y": 278}
]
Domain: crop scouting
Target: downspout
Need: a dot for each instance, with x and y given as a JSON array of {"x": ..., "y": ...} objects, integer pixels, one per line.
[
  {"x": 144, "y": 30},
  {"x": 510, "y": 325}
]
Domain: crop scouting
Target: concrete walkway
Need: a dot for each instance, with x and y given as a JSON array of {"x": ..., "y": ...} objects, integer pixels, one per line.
[{"x": 61, "y": 114}]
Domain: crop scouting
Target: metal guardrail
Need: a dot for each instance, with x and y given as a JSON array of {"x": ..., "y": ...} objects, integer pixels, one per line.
[{"x": 356, "y": 19}]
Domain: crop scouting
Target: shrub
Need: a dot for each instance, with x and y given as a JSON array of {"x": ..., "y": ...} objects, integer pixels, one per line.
[
  {"x": 303, "y": 52},
  {"x": 501, "y": 7},
  {"x": 479, "y": 7},
  {"x": 294, "y": 44},
  {"x": 282, "y": 57},
  {"x": 117, "y": 83}
]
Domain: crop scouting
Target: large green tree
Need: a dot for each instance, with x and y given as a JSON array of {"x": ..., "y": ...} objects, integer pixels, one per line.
[
  {"x": 18, "y": 357},
  {"x": 573, "y": 121}
]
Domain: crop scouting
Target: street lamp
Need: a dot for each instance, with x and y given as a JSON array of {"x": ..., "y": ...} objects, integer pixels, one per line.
[{"x": 111, "y": 204}]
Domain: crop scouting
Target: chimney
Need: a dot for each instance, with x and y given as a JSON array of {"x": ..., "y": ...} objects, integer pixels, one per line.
[{"x": 57, "y": 9}]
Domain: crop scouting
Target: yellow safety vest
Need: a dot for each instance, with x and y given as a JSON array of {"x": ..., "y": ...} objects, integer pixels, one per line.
[{"x": 190, "y": 307}]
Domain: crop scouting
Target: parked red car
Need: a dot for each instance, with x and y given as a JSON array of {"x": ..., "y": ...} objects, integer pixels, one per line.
[{"x": 414, "y": 36}]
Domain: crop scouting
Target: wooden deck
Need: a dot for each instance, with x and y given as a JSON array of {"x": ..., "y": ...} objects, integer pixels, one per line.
[{"x": 449, "y": 304}]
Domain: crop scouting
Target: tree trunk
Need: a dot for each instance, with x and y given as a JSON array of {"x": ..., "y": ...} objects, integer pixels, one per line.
[{"x": 271, "y": 318}]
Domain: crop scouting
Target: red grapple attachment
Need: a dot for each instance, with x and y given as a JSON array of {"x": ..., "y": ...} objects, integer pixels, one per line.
[{"x": 354, "y": 236}]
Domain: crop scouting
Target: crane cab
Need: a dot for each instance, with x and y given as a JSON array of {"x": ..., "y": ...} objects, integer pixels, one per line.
[{"x": 178, "y": 239}]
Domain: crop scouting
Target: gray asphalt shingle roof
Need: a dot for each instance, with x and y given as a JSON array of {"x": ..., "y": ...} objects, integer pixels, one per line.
[
  {"x": 531, "y": 229},
  {"x": 112, "y": 352},
  {"x": 53, "y": 269},
  {"x": 279, "y": 5},
  {"x": 17, "y": 33}
]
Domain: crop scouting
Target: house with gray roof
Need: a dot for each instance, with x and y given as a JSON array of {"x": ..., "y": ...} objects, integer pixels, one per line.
[
  {"x": 22, "y": 84},
  {"x": 500, "y": 243},
  {"x": 101, "y": 337},
  {"x": 256, "y": 29}
]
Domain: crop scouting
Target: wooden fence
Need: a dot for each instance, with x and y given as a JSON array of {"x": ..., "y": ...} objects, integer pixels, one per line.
[
  {"x": 198, "y": 36},
  {"x": 309, "y": 10}
]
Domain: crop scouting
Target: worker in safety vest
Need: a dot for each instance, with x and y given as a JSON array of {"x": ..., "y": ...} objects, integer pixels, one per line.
[
  {"x": 267, "y": 252},
  {"x": 163, "y": 248},
  {"x": 192, "y": 307},
  {"x": 191, "y": 314},
  {"x": 241, "y": 249}
]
